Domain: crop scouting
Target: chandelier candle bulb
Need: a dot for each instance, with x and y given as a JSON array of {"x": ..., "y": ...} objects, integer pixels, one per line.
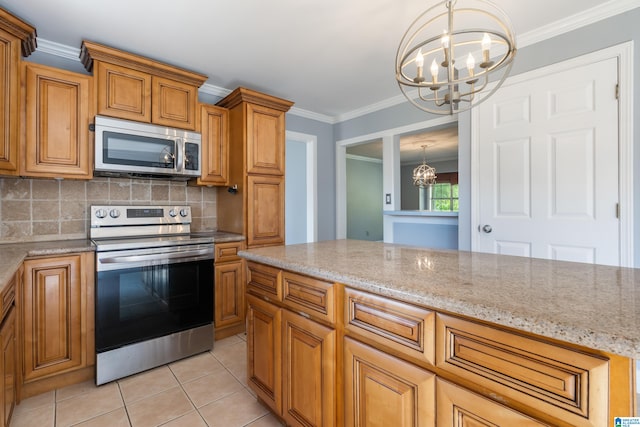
[
  {"x": 434, "y": 72},
  {"x": 471, "y": 63},
  {"x": 419, "y": 64},
  {"x": 486, "y": 47}
]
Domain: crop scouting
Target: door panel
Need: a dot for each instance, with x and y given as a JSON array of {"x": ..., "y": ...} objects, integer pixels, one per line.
[{"x": 548, "y": 167}]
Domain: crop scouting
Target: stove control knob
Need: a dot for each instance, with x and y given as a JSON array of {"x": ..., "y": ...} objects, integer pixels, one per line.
[
  {"x": 101, "y": 213},
  {"x": 184, "y": 212},
  {"x": 115, "y": 213},
  {"x": 173, "y": 213}
]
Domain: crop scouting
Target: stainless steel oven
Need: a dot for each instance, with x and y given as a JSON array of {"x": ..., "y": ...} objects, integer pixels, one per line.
[{"x": 154, "y": 289}]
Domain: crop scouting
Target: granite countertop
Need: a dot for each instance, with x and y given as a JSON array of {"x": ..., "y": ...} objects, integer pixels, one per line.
[
  {"x": 590, "y": 305},
  {"x": 12, "y": 254}
]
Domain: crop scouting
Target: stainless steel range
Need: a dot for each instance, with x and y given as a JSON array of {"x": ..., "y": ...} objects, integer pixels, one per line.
[{"x": 154, "y": 288}]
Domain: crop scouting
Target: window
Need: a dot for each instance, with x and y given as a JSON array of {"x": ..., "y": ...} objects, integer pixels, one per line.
[{"x": 444, "y": 197}]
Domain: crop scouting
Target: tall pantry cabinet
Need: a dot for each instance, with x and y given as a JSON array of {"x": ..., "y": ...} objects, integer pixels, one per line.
[{"x": 255, "y": 207}]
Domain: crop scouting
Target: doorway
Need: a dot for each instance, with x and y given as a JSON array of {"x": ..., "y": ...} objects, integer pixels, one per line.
[{"x": 301, "y": 198}]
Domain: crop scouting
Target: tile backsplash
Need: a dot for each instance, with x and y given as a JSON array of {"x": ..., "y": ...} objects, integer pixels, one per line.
[{"x": 46, "y": 209}]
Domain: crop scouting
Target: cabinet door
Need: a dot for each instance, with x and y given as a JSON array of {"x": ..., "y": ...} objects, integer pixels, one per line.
[
  {"x": 57, "y": 140},
  {"x": 8, "y": 365},
  {"x": 229, "y": 294},
  {"x": 309, "y": 377},
  {"x": 264, "y": 345},
  {"x": 382, "y": 390},
  {"x": 265, "y": 140},
  {"x": 123, "y": 92},
  {"x": 265, "y": 210},
  {"x": 52, "y": 301},
  {"x": 458, "y": 407},
  {"x": 173, "y": 103},
  {"x": 9, "y": 103},
  {"x": 214, "y": 126}
]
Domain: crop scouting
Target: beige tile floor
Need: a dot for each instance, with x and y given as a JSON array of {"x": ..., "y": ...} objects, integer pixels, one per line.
[{"x": 206, "y": 390}]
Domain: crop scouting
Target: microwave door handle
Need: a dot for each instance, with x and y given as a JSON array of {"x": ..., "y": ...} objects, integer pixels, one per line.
[{"x": 179, "y": 154}]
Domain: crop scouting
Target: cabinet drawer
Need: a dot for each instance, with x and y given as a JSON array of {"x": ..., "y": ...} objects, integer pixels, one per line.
[
  {"x": 227, "y": 251},
  {"x": 556, "y": 380},
  {"x": 264, "y": 281},
  {"x": 400, "y": 326},
  {"x": 459, "y": 407},
  {"x": 309, "y": 296}
]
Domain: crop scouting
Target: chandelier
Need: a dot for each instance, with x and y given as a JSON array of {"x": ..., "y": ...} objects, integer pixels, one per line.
[
  {"x": 424, "y": 175},
  {"x": 475, "y": 33}
]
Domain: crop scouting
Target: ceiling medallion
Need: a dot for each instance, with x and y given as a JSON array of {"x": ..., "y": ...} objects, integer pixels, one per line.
[{"x": 474, "y": 33}]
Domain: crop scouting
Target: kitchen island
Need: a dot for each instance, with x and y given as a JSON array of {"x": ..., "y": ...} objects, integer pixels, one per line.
[{"x": 553, "y": 341}]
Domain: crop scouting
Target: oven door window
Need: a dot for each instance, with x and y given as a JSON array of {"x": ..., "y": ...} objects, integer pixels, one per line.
[
  {"x": 135, "y": 150},
  {"x": 141, "y": 303}
]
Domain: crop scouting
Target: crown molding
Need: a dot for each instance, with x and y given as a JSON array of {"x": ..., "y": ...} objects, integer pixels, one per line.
[
  {"x": 573, "y": 22},
  {"x": 58, "y": 49},
  {"x": 363, "y": 158}
]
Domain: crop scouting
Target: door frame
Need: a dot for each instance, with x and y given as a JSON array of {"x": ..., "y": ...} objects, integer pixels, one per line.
[
  {"x": 624, "y": 54},
  {"x": 311, "y": 143}
]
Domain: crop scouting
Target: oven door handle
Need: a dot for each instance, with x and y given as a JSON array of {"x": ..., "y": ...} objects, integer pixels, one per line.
[{"x": 159, "y": 256}]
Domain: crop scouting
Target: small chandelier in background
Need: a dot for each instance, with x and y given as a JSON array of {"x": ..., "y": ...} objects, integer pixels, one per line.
[
  {"x": 467, "y": 32},
  {"x": 424, "y": 175}
]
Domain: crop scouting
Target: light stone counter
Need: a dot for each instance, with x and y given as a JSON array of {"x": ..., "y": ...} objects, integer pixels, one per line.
[{"x": 589, "y": 305}]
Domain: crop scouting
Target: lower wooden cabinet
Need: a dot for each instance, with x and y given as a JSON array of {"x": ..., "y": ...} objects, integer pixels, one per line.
[
  {"x": 8, "y": 355},
  {"x": 8, "y": 338},
  {"x": 382, "y": 390},
  {"x": 229, "y": 290},
  {"x": 264, "y": 351},
  {"x": 56, "y": 320},
  {"x": 309, "y": 372},
  {"x": 291, "y": 364},
  {"x": 458, "y": 407}
]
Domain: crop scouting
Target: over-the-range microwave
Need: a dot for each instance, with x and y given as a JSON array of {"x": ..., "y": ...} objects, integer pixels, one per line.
[{"x": 132, "y": 149}]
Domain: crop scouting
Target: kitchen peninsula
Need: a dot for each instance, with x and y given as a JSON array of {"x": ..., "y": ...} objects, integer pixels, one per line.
[{"x": 494, "y": 338}]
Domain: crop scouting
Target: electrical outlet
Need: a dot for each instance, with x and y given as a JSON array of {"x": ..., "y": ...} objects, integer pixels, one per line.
[{"x": 388, "y": 198}]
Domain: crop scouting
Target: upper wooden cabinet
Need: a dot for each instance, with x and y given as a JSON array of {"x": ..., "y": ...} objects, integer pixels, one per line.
[
  {"x": 15, "y": 36},
  {"x": 256, "y": 167},
  {"x": 213, "y": 124},
  {"x": 137, "y": 88},
  {"x": 58, "y": 110}
]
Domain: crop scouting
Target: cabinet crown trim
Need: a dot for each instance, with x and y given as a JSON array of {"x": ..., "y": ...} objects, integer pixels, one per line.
[
  {"x": 242, "y": 94},
  {"x": 90, "y": 52},
  {"x": 22, "y": 30}
]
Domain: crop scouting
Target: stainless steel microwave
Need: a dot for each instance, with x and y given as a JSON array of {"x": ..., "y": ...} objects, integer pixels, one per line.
[{"x": 133, "y": 149}]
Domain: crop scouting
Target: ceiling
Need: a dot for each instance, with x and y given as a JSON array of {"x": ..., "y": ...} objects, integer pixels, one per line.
[{"x": 331, "y": 57}]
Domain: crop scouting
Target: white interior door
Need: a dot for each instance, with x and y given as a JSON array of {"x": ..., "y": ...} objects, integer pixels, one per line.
[{"x": 548, "y": 167}]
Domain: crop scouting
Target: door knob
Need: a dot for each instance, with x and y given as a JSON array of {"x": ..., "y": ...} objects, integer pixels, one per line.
[{"x": 487, "y": 228}]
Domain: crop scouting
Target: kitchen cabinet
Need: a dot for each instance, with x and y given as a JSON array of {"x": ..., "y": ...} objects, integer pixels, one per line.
[
  {"x": 255, "y": 205},
  {"x": 16, "y": 37},
  {"x": 214, "y": 126},
  {"x": 56, "y": 322},
  {"x": 291, "y": 345},
  {"x": 58, "y": 110},
  {"x": 8, "y": 355},
  {"x": 229, "y": 294},
  {"x": 136, "y": 88},
  {"x": 383, "y": 390}
]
